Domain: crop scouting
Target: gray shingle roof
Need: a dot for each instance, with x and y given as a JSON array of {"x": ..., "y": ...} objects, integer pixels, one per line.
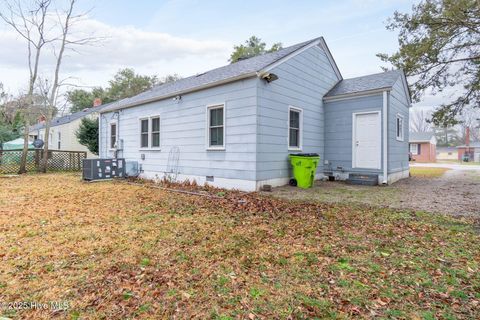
[
  {"x": 231, "y": 71},
  {"x": 365, "y": 83},
  {"x": 69, "y": 117},
  {"x": 420, "y": 136}
]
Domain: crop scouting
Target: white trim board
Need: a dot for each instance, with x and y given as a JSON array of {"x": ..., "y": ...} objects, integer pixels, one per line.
[
  {"x": 354, "y": 136},
  {"x": 209, "y": 107},
  {"x": 354, "y": 95},
  {"x": 300, "y": 129}
]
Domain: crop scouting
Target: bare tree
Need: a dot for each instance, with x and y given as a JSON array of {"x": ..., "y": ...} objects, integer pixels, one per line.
[
  {"x": 469, "y": 118},
  {"x": 30, "y": 24},
  {"x": 52, "y": 98},
  {"x": 51, "y": 25},
  {"x": 419, "y": 120}
]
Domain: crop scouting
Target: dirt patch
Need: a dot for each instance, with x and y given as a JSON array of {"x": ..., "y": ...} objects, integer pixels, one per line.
[{"x": 455, "y": 192}]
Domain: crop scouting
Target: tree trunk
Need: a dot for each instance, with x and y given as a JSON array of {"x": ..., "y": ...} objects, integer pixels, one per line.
[{"x": 23, "y": 159}]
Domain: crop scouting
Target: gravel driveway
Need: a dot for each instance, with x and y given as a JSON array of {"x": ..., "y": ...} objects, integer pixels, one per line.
[{"x": 457, "y": 192}]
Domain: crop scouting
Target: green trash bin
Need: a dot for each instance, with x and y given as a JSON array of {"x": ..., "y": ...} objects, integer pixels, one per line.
[{"x": 304, "y": 168}]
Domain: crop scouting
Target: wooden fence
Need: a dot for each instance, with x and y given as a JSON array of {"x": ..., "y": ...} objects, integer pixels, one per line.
[{"x": 58, "y": 160}]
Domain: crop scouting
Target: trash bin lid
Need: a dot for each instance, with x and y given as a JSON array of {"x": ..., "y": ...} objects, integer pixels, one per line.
[{"x": 306, "y": 155}]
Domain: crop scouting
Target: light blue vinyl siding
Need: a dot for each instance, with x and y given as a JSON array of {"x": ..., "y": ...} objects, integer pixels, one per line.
[
  {"x": 183, "y": 125},
  {"x": 302, "y": 82},
  {"x": 398, "y": 150},
  {"x": 338, "y": 130}
]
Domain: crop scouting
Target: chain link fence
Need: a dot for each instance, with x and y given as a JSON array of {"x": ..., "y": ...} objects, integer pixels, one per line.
[{"x": 58, "y": 160}]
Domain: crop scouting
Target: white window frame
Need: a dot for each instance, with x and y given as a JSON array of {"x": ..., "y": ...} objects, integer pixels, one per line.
[
  {"x": 140, "y": 133},
  {"x": 59, "y": 142},
  {"x": 300, "y": 129},
  {"x": 110, "y": 147},
  {"x": 415, "y": 153},
  {"x": 399, "y": 116},
  {"x": 207, "y": 127},
  {"x": 149, "y": 133}
]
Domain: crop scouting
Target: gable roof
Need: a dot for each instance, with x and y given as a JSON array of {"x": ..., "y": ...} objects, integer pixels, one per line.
[
  {"x": 69, "y": 117},
  {"x": 254, "y": 66},
  {"x": 377, "y": 81},
  {"x": 420, "y": 136}
]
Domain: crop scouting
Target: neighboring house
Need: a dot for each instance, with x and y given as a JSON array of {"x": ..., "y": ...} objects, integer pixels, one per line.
[
  {"x": 447, "y": 153},
  {"x": 63, "y": 131},
  {"x": 423, "y": 146},
  {"x": 235, "y": 126},
  {"x": 15, "y": 144},
  {"x": 472, "y": 151}
]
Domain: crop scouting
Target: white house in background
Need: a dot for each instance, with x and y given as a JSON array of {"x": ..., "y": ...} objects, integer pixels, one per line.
[
  {"x": 63, "y": 131},
  {"x": 235, "y": 126}
]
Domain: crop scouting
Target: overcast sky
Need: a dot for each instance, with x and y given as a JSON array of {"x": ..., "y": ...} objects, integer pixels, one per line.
[{"x": 191, "y": 36}]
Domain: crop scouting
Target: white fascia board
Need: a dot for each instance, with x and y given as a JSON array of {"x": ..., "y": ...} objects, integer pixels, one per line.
[
  {"x": 330, "y": 58},
  {"x": 357, "y": 94},
  {"x": 405, "y": 88},
  {"x": 319, "y": 42},
  {"x": 288, "y": 57}
]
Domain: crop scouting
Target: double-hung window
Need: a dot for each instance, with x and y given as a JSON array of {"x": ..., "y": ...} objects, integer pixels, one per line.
[
  {"x": 399, "y": 127},
  {"x": 294, "y": 128},
  {"x": 144, "y": 133},
  {"x": 216, "y": 127},
  {"x": 414, "y": 149},
  {"x": 155, "y": 133},
  {"x": 113, "y": 135},
  {"x": 59, "y": 140},
  {"x": 150, "y": 133}
]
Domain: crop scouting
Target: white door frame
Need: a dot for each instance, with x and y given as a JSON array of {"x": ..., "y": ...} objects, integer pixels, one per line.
[{"x": 354, "y": 137}]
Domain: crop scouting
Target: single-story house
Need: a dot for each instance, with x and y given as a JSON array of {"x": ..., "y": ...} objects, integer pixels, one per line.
[
  {"x": 423, "y": 146},
  {"x": 472, "y": 150},
  {"x": 235, "y": 126},
  {"x": 63, "y": 130},
  {"x": 447, "y": 153}
]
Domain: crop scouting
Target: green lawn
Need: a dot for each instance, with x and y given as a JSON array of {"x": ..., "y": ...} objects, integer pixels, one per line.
[{"x": 116, "y": 251}]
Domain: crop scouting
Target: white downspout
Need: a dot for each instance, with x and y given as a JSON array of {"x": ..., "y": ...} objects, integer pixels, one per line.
[{"x": 385, "y": 137}]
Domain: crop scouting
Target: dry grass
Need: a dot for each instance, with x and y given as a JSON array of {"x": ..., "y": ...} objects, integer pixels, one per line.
[
  {"x": 426, "y": 172},
  {"x": 117, "y": 251}
]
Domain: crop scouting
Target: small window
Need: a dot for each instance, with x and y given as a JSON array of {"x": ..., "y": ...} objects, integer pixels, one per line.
[
  {"x": 144, "y": 133},
  {"x": 155, "y": 132},
  {"x": 216, "y": 127},
  {"x": 414, "y": 149},
  {"x": 399, "y": 127},
  {"x": 294, "y": 128},
  {"x": 59, "y": 140},
  {"x": 113, "y": 135}
]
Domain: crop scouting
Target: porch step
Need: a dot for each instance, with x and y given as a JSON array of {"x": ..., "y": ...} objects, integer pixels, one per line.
[{"x": 363, "y": 179}]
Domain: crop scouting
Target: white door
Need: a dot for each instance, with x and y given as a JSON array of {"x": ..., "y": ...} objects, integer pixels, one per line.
[{"x": 367, "y": 140}]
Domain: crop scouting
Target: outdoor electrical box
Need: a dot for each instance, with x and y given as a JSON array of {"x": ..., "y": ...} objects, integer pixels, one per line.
[{"x": 103, "y": 169}]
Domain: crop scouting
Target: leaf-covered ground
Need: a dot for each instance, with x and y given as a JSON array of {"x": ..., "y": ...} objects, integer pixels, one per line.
[{"x": 112, "y": 250}]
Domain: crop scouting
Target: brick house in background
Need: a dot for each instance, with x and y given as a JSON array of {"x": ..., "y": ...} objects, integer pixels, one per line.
[
  {"x": 423, "y": 146},
  {"x": 470, "y": 151}
]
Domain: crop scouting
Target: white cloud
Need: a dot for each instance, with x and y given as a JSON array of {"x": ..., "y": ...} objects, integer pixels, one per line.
[{"x": 126, "y": 46}]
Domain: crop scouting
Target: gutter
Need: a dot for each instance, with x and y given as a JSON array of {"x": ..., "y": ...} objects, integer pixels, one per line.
[{"x": 385, "y": 137}]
